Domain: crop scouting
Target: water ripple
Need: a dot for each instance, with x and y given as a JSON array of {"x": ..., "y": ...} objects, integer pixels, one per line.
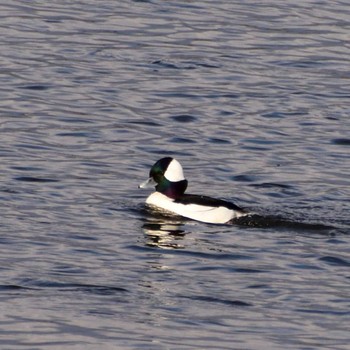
[{"x": 252, "y": 98}]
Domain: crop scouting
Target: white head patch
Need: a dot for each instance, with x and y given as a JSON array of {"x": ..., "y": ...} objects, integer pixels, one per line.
[{"x": 174, "y": 171}]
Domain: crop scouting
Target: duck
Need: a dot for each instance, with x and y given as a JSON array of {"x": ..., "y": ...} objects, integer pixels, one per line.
[{"x": 170, "y": 184}]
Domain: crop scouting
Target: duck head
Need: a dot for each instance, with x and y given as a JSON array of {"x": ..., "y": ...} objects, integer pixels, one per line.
[{"x": 167, "y": 177}]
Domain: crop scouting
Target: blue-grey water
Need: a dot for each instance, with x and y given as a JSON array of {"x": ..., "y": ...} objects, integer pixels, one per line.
[{"x": 252, "y": 97}]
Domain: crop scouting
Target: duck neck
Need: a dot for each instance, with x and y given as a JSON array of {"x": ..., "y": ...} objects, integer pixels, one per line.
[{"x": 172, "y": 189}]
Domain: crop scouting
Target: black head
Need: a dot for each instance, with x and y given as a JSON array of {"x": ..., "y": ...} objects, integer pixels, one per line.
[{"x": 168, "y": 175}]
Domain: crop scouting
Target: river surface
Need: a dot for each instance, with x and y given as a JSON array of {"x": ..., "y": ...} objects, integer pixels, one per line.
[{"x": 252, "y": 97}]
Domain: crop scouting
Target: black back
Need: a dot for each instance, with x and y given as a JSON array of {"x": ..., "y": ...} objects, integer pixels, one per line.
[{"x": 206, "y": 201}]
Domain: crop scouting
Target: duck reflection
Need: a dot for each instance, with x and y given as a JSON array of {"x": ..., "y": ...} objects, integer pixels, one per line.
[{"x": 164, "y": 232}]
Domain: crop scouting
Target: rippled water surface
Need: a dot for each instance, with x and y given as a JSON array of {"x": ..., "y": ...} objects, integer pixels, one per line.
[{"x": 252, "y": 97}]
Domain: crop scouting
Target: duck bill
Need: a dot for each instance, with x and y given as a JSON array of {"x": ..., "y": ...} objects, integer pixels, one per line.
[{"x": 148, "y": 183}]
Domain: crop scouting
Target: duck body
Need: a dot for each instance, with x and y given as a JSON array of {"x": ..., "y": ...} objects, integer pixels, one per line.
[
  {"x": 196, "y": 207},
  {"x": 167, "y": 176}
]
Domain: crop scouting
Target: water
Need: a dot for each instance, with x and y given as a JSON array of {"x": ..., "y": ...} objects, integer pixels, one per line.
[{"x": 251, "y": 97}]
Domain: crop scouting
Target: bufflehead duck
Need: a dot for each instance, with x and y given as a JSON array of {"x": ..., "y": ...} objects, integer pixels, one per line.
[{"x": 167, "y": 176}]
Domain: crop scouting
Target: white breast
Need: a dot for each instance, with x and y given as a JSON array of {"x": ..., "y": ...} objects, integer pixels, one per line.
[{"x": 214, "y": 215}]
